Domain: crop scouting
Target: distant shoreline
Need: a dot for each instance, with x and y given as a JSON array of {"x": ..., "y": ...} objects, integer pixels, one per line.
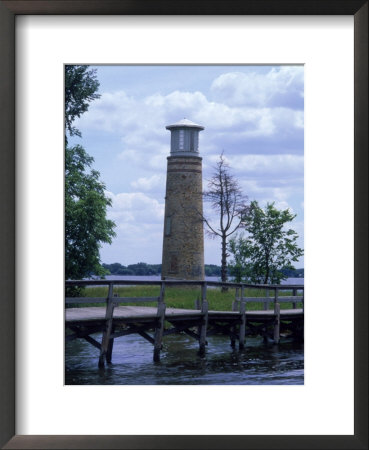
[
  {"x": 291, "y": 280},
  {"x": 211, "y": 270}
]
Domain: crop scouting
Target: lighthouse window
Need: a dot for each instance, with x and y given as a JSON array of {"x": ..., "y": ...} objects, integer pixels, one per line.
[
  {"x": 181, "y": 139},
  {"x": 168, "y": 224},
  {"x": 192, "y": 139}
]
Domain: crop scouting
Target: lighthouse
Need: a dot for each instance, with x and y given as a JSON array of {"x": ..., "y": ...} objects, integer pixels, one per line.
[{"x": 183, "y": 236}]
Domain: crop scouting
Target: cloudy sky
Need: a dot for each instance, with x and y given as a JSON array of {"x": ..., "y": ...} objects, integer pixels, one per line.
[{"x": 255, "y": 114}]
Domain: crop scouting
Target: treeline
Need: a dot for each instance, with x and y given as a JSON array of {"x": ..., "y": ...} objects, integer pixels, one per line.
[
  {"x": 211, "y": 270},
  {"x": 293, "y": 273},
  {"x": 140, "y": 268}
]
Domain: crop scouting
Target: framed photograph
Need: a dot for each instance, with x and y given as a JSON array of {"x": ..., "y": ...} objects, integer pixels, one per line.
[{"x": 325, "y": 407}]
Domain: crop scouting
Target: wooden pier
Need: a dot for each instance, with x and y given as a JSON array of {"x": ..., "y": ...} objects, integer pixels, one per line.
[{"x": 153, "y": 323}]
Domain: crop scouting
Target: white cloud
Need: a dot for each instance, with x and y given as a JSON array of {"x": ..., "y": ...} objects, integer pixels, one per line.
[
  {"x": 283, "y": 85},
  {"x": 263, "y": 165},
  {"x": 140, "y": 122},
  {"x": 135, "y": 207},
  {"x": 139, "y": 219},
  {"x": 148, "y": 183},
  {"x": 135, "y": 243}
]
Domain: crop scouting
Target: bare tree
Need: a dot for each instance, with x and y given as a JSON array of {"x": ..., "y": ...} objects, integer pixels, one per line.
[{"x": 227, "y": 200}]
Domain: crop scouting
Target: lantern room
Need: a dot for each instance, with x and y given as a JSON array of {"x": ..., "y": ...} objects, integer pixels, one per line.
[{"x": 184, "y": 138}]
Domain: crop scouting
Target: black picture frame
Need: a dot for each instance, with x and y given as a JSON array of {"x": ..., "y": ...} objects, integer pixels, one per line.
[{"x": 8, "y": 12}]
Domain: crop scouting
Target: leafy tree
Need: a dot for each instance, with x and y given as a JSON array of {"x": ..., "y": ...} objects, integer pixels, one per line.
[
  {"x": 268, "y": 249},
  {"x": 81, "y": 87},
  {"x": 227, "y": 200},
  {"x": 86, "y": 225}
]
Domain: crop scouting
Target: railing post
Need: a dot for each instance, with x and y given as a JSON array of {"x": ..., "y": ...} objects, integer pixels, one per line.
[
  {"x": 108, "y": 327},
  {"x": 275, "y": 296},
  {"x": 203, "y": 292},
  {"x": 266, "y": 304},
  {"x": 235, "y": 307},
  {"x": 162, "y": 292},
  {"x": 294, "y": 293},
  {"x": 303, "y": 299},
  {"x": 237, "y": 299},
  {"x": 197, "y": 303}
]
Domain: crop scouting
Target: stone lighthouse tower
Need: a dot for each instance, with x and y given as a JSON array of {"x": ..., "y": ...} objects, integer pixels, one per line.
[{"x": 183, "y": 239}]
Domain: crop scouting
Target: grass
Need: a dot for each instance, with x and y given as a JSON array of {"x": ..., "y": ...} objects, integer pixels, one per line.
[{"x": 183, "y": 297}]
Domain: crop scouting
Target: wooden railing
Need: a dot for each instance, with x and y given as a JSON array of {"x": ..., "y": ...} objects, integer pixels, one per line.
[
  {"x": 239, "y": 287},
  {"x": 294, "y": 299}
]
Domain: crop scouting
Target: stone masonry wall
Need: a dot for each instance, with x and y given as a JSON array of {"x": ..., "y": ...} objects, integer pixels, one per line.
[{"x": 183, "y": 237}]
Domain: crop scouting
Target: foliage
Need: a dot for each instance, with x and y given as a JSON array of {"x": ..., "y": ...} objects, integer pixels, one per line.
[
  {"x": 268, "y": 248},
  {"x": 227, "y": 200},
  {"x": 86, "y": 225},
  {"x": 81, "y": 87}
]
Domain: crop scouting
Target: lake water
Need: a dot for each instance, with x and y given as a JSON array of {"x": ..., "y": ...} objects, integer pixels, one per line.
[
  {"x": 132, "y": 364},
  {"x": 157, "y": 278}
]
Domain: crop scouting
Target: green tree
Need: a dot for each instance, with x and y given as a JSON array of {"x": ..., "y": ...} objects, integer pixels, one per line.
[
  {"x": 81, "y": 87},
  {"x": 86, "y": 225},
  {"x": 268, "y": 246}
]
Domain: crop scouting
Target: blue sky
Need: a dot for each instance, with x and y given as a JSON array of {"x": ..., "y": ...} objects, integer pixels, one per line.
[{"x": 254, "y": 114}]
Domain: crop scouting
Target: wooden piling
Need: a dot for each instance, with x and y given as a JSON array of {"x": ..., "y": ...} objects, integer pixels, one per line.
[
  {"x": 232, "y": 330},
  {"x": 203, "y": 328},
  {"x": 277, "y": 322},
  {"x": 158, "y": 337},
  {"x": 105, "y": 342},
  {"x": 241, "y": 338},
  {"x": 110, "y": 347}
]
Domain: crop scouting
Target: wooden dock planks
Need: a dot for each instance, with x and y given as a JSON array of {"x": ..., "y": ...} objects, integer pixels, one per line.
[{"x": 130, "y": 313}]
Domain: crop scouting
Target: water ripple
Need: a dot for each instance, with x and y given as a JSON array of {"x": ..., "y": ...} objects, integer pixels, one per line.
[{"x": 257, "y": 364}]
